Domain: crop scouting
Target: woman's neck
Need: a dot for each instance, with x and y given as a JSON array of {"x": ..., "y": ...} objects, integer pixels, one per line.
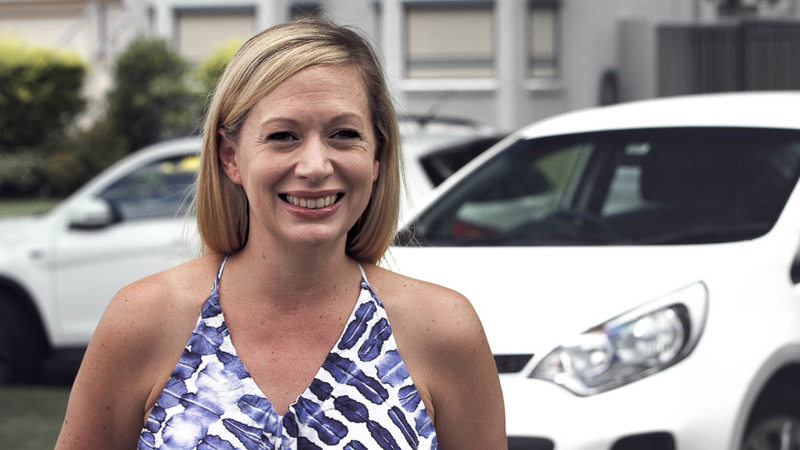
[{"x": 293, "y": 272}]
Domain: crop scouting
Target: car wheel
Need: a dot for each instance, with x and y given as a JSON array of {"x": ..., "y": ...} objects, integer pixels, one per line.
[
  {"x": 21, "y": 346},
  {"x": 774, "y": 433},
  {"x": 775, "y": 423}
]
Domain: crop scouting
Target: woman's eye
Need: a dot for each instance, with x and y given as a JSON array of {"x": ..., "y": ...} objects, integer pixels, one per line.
[
  {"x": 347, "y": 134},
  {"x": 280, "y": 136}
]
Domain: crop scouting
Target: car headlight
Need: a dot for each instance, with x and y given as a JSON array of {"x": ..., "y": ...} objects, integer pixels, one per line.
[{"x": 631, "y": 346}]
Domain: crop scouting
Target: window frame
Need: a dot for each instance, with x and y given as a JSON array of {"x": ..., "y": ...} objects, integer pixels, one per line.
[
  {"x": 530, "y": 58},
  {"x": 489, "y": 65}
]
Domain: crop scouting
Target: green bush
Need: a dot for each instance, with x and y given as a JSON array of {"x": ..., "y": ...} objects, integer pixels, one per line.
[
  {"x": 58, "y": 167},
  {"x": 20, "y": 174},
  {"x": 40, "y": 93},
  {"x": 151, "y": 99}
]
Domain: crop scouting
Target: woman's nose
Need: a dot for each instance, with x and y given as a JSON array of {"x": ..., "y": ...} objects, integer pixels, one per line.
[{"x": 314, "y": 161}]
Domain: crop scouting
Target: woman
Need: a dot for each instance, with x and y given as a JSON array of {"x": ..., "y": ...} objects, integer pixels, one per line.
[{"x": 318, "y": 347}]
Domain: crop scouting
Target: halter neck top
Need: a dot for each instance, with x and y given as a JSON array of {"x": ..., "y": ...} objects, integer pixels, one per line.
[{"x": 361, "y": 398}]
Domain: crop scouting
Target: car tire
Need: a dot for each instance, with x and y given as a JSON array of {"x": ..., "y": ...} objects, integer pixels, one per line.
[
  {"x": 21, "y": 345},
  {"x": 775, "y": 421}
]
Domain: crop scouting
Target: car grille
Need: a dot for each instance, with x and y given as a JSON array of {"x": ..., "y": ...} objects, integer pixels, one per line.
[{"x": 511, "y": 363}]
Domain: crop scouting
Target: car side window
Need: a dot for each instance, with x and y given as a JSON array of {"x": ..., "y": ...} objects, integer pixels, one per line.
[
  {"x": 630, "y": 187},
  {"x": 158, "y": 190},
  {"x": 623, "y": 193}
]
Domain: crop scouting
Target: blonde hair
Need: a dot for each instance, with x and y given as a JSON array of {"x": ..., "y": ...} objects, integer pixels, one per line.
[{"x": 261, "y": 64}]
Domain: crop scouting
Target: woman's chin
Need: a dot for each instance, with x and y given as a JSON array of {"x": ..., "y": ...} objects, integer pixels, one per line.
[{"x": 311, "y": 237}]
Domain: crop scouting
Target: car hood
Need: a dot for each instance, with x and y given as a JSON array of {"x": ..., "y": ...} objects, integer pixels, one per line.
[{"x": 531, "y": 299}]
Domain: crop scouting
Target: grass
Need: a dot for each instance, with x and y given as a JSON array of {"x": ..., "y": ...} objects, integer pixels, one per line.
[
  {"x": 30, "y": 417},
  {"x": 24, "y": 206}
]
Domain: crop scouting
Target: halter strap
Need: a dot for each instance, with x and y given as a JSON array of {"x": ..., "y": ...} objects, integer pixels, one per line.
[
  {"x": 219, "y": 273},
  {"x": 363, "y": 274}
]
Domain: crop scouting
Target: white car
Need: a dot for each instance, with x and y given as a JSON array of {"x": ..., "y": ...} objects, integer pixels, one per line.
[
  {"x": 58, "y": 270},
  {"x": 636, "y": 271}
]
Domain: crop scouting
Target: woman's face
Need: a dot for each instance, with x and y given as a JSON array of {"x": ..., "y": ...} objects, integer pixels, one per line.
[{"x": 306, "y": 158}]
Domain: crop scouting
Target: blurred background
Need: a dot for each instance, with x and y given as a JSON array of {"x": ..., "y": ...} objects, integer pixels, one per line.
[{"x": 84, "y": 83}]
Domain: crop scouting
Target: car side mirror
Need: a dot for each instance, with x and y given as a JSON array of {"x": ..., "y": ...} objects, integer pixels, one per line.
[{"x": 91, "y": 214}]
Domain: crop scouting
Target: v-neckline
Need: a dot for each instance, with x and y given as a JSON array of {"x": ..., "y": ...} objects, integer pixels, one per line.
[{"x": 364, "y": 296}]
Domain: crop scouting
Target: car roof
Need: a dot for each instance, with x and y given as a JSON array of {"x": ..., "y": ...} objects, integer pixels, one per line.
[
  {"x": 172, "y": 146},
  {"x": 744, "y": 109}
]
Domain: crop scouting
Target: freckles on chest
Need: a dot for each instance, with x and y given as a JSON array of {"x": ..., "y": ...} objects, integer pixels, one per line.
[{"x": 285, "y": 355}]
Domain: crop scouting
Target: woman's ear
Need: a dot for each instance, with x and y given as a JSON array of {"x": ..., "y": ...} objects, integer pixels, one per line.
[
  {"x": 376, "y": 170},
  {"x": 227, "y": 157}
]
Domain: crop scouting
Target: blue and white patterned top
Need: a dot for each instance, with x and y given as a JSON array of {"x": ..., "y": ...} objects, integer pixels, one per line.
[{"x": 361, "y": 398}]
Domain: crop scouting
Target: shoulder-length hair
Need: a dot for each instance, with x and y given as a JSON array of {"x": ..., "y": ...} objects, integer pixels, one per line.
[{"x": 261, "y": 64}]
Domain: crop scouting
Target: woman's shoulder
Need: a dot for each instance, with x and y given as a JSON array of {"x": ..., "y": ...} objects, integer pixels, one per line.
[
  {"x": 198, "y": 273},
  {"x": 409, "y": 291},
  {"x": 175, "y": 288},
  {"x": 442, "y": 315},
  {"x": 147, "y": 312},
  {"x": 150, "y": 320}
]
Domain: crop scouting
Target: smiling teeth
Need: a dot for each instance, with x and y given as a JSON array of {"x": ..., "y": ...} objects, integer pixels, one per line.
[{"x": 312, "y": 203}]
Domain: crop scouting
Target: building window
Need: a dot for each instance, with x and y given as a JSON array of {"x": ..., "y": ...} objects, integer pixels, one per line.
[
  {"x": 453, "y": 40},
  {"x": 543, "y": 40},
  {"x": 201, "y": 31}
]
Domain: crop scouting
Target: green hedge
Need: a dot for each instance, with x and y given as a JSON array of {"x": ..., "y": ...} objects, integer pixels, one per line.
[
  {"x": 72, "y": 162},
  {"x": 59, "y": 167},
  {"x": 155, "y": 95},
  {"x": 21, "y": 174},
  {"x": 40, "y": 93}
]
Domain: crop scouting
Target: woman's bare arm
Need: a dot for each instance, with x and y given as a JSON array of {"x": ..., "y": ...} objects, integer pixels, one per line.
[
  {"x": 106, "y": 404},
  {"x": 465, "y": 390}
]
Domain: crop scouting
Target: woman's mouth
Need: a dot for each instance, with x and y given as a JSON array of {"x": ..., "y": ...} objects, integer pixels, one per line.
[{"x": 311, "y": 202}]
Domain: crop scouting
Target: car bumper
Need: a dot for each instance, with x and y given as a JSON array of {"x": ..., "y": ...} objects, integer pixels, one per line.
[{"x": 650, "y": 413}]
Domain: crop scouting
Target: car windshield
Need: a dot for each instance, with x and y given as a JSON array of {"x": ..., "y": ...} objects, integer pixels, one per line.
[
  {"x": 634, "y": 187},
  {"x": 442, "y": 163}
]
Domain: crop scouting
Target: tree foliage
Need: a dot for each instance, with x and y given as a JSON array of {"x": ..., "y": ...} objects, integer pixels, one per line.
[{"x": 151, "y": 99}]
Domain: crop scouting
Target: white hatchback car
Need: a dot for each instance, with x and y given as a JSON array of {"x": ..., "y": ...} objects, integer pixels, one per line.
[
  {"x": 636, "y": 270},
  {"x": 58, "y": 270}
]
